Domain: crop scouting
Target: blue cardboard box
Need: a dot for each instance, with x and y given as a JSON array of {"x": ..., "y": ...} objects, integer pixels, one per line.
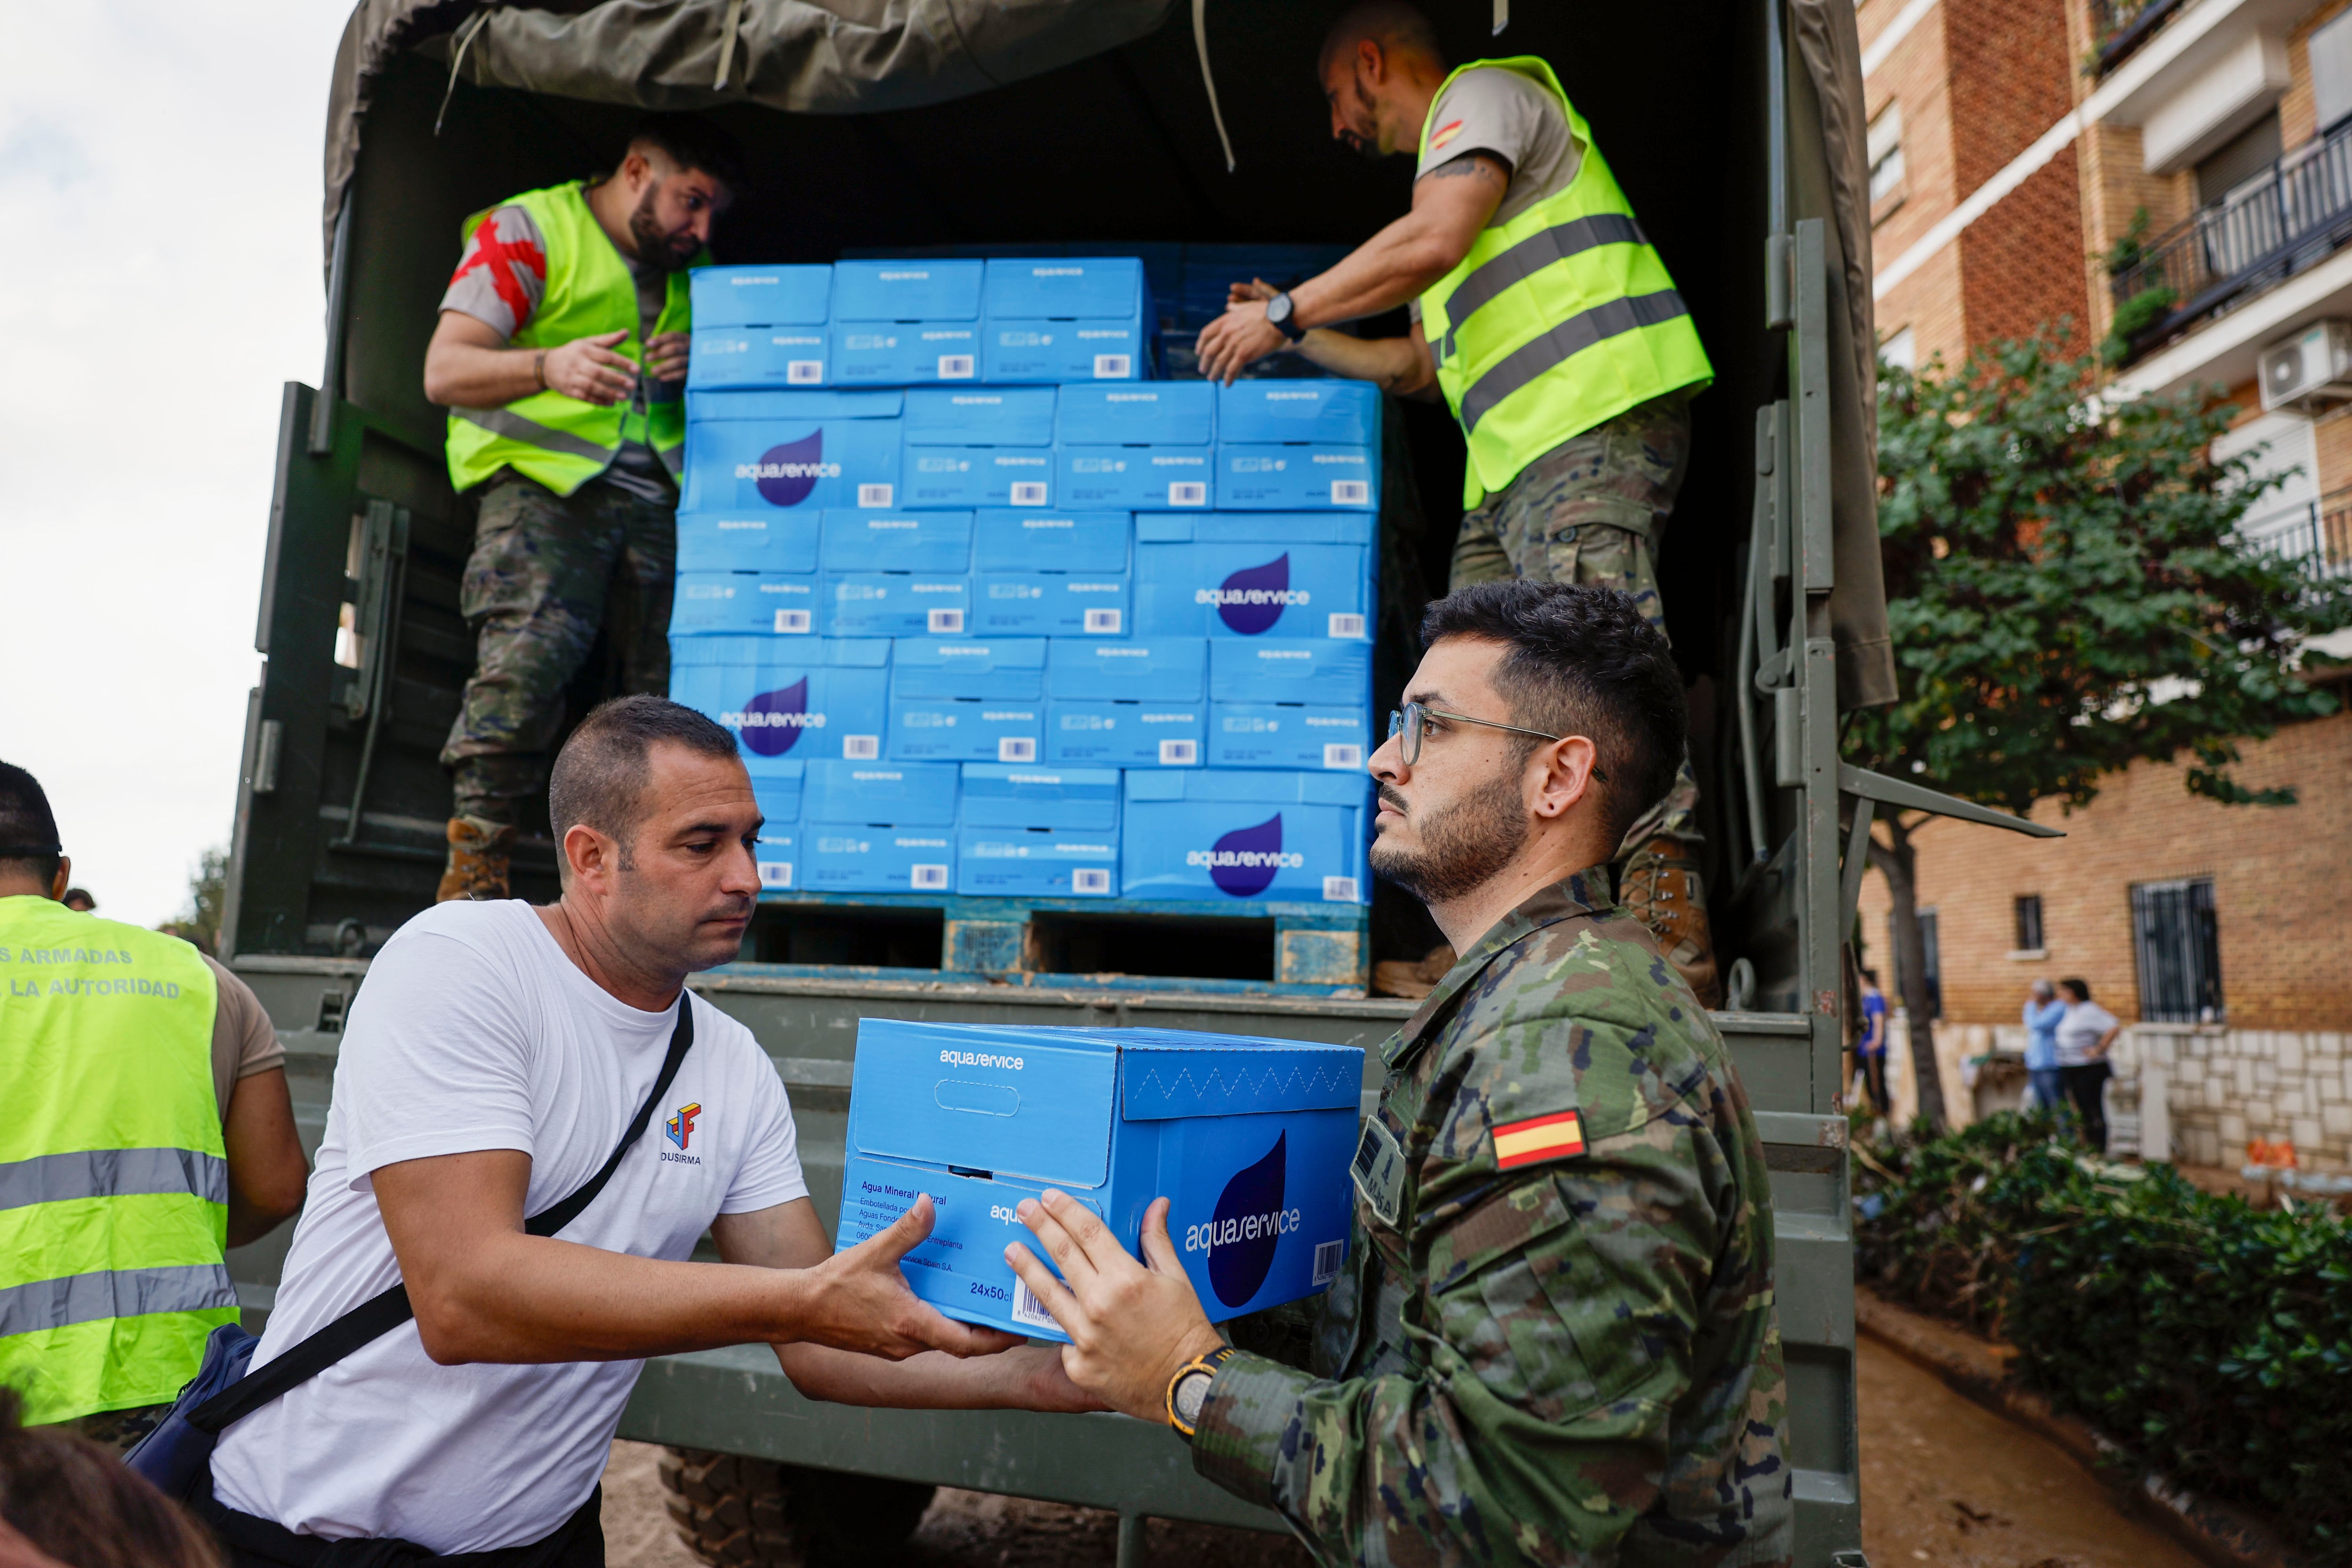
[
  {"x": 764, "y": 452},
  {"x": 787, "y": 701},
  {"x": 1149, "y": 414},
  {"x": 1084, "y": 800},
  {"x": 1036, "y": 863},
  {"x": 1065, "y": 319},
  {"x": 914, "y": 794},
  {"x": 929, "y": 288},
  {"x": 1134, "y": 478},
  {"x": 968, "y": 700},
  {"x": 1064, "y": 350},
  {"x": 1050, "y": 604},
  {"x": 894, "y": 604},
  {"x": 1029, "y": 540},
  {"x": 1248, "y": 1139},
  {"x": 1330, "y": 412},
  {"x": 1148, "y": 670},
  {"x": 761, "y": 296},
  {"x": 936, "y": 542},
  {"x": 1254, "y": 574},
  {"x": 902, "y": 353},
  {"x": 980, "y": 416},
  {"x": 1297, "y": 478},
  {"x": 743, "y": 603},
  {"x": 779, "y": 795},
  {"x": 1126, "y": 735},
  {"x": 978, "y": 476},
  {"x": 747, "y": 540},
  {"x": 911, "y": 850},
  {"x": 1282, "y": 702},
  {"x": 1229, "y": 834},
  {"x": 1064, "y": 287},
  {"x": 723, "y": 357}
]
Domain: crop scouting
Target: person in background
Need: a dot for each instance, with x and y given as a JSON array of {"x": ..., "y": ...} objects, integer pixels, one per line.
[
  {"x": 78, "y": 900},
  {"x": 1570, "y": 378},
  {"x": 2084, "y": 1034},
  {"x": 2044, "y": 1012},
  {"x": 68, "y": 1502},
  {"x": 148, "y": 1129},
  {"x": 1870, "y": 1050}
]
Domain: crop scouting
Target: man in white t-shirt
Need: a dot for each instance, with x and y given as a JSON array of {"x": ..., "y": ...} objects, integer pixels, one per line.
[
  {"x": 488, "y": 1068},
  {"x": 2085, "y": 1035},
  {"x": 1546, "y": 320}
]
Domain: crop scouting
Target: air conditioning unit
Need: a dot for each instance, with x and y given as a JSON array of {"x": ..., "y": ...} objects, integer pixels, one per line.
[{"x": 2310, "y": 371}]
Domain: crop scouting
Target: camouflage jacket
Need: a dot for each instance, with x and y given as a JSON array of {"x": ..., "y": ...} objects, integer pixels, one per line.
[{"x": 1556, "y": 1342}]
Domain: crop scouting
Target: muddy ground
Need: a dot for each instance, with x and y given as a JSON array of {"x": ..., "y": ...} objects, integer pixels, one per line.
[{"x": 1944, "y": 1481}]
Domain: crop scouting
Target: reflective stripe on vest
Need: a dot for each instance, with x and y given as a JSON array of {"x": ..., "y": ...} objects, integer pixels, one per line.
[
  {"x": 563, "y": 442},
  {"x": 113, "y": 1176},
  {"x": 1562, "y": 319}
]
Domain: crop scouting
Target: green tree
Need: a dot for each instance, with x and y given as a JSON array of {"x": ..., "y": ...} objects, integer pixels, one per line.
[
  {"x": 2068, "y": 594},
  {"x": 200, "y": 922}
]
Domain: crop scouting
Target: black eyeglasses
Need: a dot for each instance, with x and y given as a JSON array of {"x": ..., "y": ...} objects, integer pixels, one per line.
[{"x": 1413, "y": 722}]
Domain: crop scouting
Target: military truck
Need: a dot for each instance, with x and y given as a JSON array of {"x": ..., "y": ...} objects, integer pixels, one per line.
[{"x": 897, "y": 126}]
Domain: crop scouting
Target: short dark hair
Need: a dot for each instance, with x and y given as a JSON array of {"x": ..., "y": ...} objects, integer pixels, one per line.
[
  {"x": 2080, "y": 987},
  {"x": 29, "y": 828},
  {"x": 600, "y": 776},
  {"x": 1582, "y": 659},
  {"x": 80, "y": 1504},
  {"x": 1871, "y": 976},
  {"x": 1391, "y": 24},
  {"x": 690, "y": 142}
]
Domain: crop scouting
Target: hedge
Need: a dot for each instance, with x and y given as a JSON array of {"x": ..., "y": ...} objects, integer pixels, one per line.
[{"x": 2212, "y": 1342}]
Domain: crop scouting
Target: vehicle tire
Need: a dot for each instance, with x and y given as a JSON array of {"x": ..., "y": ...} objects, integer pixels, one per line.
[{"x": 735, "y": 1513}]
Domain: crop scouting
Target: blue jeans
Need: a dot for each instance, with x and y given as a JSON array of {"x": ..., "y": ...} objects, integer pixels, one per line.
[{"x": 2045, "y": 1085}]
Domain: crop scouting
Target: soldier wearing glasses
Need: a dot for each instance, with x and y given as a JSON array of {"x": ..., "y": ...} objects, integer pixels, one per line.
[{"x": 1555, "y": 1341}]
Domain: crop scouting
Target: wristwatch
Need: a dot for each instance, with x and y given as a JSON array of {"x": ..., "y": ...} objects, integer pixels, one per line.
[
  {"x": 1187, "y": 1391},
  {"x": 1278, "y": 311}
]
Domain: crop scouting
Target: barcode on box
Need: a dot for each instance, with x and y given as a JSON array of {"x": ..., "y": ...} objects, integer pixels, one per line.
[
  {"x": 1029, "y": 492},
  {"x": 1027, "y": 1309},
  {"x": 1339, "y": 756},
  {"x": 1114, "y": 367},
  {"x": 791, "y": 621},
  {"x": 803, "y": 372},
  {"x": 928, "y": 878},
  {"x": 1340, "y": 889},
  {"x": 1105, "y": 621},
  {"x": 1016, "y": 748},
  {"x": 1352, "y": 492},
  {"x": 945, "y": 620},
  {"x": 1328, "y": 1256},
  {"x": 775, "y": 873},
  {"x": 1188, "y": 492},
  {"x": 861, "y": 748},
  {"x": 875, "y": 495},
  {"x": 1090, "y": 879},
  {"x": 957, "y": 367},
  {"x": 1347, "y": 625},
  {"x": 1180, "y": 753}
]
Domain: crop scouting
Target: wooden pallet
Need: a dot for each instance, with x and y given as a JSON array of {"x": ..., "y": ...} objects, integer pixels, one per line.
[{"x": 1319, "y": 950}]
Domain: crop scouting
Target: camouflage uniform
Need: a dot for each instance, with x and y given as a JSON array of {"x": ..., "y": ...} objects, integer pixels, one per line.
[
  {"x": 1590, "y": 510},
  {"x": 1572, "y": 1361},
  {"x": 546, "y": 571},
  {"x": 120, "y": 1429}
]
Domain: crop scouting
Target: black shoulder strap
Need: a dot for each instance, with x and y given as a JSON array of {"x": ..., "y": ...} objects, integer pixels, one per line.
[{"x": 378, "y": 1315}]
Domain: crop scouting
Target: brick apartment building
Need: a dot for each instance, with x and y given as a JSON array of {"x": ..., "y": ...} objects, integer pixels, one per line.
[{"x": 2178, "y": 172}]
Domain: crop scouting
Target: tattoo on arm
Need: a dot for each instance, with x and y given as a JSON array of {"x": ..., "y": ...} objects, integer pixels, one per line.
[{"x": 1479, "y": 163}]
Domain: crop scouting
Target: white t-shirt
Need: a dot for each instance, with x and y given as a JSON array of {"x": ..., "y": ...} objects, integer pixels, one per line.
[
  {"x": 475, "y": 1031},
  {"x": 2079, "y": 1030}
]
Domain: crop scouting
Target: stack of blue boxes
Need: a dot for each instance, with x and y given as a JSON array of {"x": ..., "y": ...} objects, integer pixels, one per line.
[{"x": 993, "y": 613}]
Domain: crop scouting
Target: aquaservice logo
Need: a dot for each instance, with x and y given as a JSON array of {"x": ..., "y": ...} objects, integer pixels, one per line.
[
  {"x": 1248, "y": 1226},
  {"x": 786, "y": 473},
  {"x": 1253, "y": 599},
  {"x": 1245, "y": 861},
  {"x": 771, "y": 723}
]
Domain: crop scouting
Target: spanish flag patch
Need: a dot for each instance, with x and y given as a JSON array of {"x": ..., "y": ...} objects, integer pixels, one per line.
[
  {"x": 1539, "y": 1138},
  {"x": 1444, "y": 134}
]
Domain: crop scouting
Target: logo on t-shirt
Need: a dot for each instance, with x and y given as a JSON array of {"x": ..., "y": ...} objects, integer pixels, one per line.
[
  {"x": 1444, "y": 134},
  {"x": 680, "y": 1127}
]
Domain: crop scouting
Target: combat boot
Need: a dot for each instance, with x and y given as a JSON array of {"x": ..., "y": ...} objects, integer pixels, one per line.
[
  {"x": 478, "y": 853},
  {"x": 1660, "y": 888}
]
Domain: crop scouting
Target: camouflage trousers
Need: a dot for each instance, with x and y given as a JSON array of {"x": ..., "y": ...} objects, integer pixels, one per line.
[
  {"x": 1591, "y": 510},
  {"x": 547, "y": 572},
  {"x": 118, "y": 1429}
]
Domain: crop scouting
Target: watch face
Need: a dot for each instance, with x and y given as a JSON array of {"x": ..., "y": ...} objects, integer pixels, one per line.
[
  {"x": 1277, "y": 309},
  {"x": 1193, "y": 1393}
]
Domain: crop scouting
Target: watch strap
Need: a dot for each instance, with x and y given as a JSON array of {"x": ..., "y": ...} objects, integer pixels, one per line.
[{"x": 1198, "y": 1367}]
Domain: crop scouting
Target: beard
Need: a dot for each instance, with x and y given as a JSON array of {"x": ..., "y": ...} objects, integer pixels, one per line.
[
  {"x": 657, "y": 247},
  {"x": 1462, "y": 845},
  {"x": 1368, "y": 150}
]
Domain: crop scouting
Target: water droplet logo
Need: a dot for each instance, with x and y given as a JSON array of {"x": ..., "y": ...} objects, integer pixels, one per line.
[
  {"x": 789, "y": 472},
  {"x": 1238, "y": 1267},
  {"x": 1243, "y": 862},
  {"x": 771, "y": 737},
  {"x": 1253, "y": 598}
]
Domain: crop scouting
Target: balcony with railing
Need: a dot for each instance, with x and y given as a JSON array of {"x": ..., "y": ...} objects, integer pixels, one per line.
[
  {"x": 2120, "y": 27},
  {"x": 2283, "y": 221},
  {"x": 2315, "y": 536}
]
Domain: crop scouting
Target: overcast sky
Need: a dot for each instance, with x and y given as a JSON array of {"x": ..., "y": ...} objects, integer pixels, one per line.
[{"x": 159, "y": 181}]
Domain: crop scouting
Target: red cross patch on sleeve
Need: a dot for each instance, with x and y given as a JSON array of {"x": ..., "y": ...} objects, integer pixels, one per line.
[{"x": 1539, "y": 1138}]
